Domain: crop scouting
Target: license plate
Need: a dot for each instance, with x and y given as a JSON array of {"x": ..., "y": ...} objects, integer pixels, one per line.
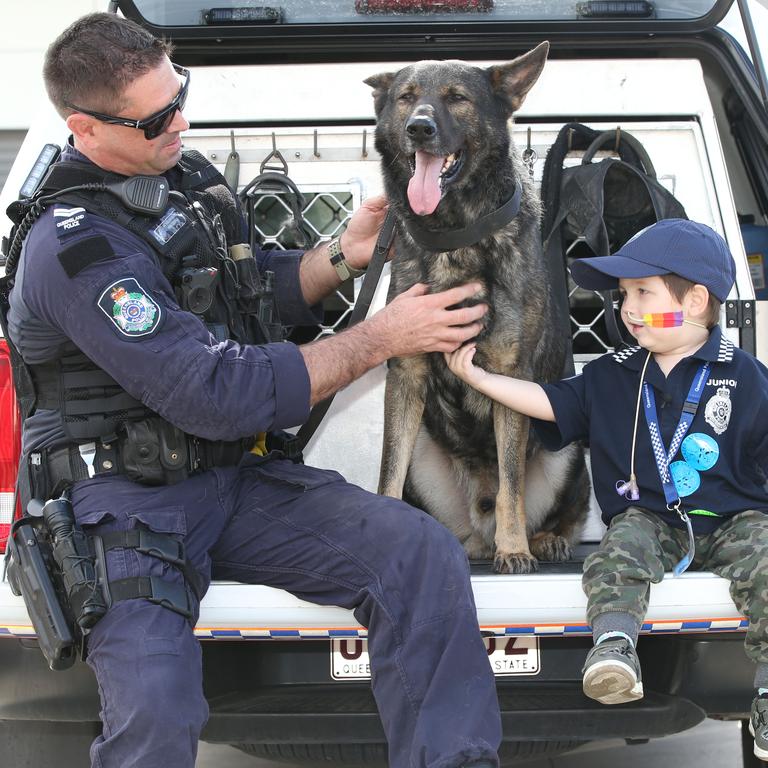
[{"x": 508, "y": 656}]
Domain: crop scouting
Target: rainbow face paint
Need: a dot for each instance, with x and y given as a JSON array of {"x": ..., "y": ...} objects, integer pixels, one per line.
[
  {"x": 663, "y": 320},
  {"x": 659, "y": 319}
]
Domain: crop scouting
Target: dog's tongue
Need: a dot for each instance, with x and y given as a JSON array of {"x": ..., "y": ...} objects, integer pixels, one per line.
[{"x": 424, "y": 187}]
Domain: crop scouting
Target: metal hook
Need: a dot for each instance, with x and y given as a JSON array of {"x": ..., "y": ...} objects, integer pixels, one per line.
[
  {"x": 274, "y": 154},
  {"x": 365, "y": 140},
  {"x": 529, "y": 155},
  {"x": 618, "y": 139},
  {"x": 317, "y": 154},
  {"x": 232, "y": 166}
]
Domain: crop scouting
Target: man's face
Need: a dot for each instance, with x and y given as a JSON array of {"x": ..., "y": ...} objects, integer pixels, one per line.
[{"x": 125, "y": 150}]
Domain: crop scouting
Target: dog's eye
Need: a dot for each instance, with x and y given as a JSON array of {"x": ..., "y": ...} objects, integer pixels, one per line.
[
  {"x": 406, "y": 98},
  {"x": 457, "y": 97}
]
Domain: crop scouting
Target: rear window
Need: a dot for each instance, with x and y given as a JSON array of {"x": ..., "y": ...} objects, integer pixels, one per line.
[{"x": 220, "y": 13}]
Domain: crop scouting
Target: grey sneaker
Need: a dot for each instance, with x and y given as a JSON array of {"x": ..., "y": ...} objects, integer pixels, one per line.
[
  {"x": 611, "y": 673},
  {"x": 758, "y": 726}
]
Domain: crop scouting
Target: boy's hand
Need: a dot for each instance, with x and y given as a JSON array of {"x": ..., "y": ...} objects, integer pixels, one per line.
[
  {"x": 460, "y": 362},
  {"x": 526, "y": 397}
]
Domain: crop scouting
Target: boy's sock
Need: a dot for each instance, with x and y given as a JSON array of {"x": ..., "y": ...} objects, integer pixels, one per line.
[
  {"x": 613, "y": 636},
  {"x": 761, "y": 677},
  {"x": 620, "y": 623}
]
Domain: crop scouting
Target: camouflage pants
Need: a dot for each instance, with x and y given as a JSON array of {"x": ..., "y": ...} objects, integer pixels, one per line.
[{"x": 639, "y": 547}]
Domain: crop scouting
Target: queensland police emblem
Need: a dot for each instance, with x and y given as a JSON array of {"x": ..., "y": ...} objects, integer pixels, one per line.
[
  {"x": 130, "y": 308},
  {"x": 717, "y": 411}
]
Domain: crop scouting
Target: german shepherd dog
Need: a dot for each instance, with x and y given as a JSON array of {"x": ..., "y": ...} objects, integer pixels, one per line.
[{"x": 466, "y": 210}]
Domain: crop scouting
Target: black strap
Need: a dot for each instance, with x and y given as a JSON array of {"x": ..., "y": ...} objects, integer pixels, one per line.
[
  {"x": 611, "y": 322},
  {"x": 558, "y": 282},
  {"x": 363, "y": 303},
  {"x": 276, "y": 183},
  {"x": 197, "y": 170},
  {"x": 169, "y": 594},
  {"x": 450, "y": 240},
  {"x": 616, "y": 136},
  {"x": 72, "y": 173},
  {"x": 160, "y": 545}
]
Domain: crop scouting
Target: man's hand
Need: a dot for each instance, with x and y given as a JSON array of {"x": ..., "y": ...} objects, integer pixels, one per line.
[
  {"x": 316, "y": 273},
  {"x": 359, "y": 238},
  {"x": 415, "y": 322}
]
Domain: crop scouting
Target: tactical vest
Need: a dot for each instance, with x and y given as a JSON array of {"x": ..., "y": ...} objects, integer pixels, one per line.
[{"x": 193, "y": 240}]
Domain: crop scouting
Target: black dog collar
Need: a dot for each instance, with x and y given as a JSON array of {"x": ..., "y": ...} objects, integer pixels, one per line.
[{"x": 450, "y": 240}]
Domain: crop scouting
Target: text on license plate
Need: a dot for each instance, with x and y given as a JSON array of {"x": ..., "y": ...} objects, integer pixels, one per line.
[{"x": 508, "y": 656}]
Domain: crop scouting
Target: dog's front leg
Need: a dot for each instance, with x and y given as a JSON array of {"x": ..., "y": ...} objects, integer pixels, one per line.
[
  {"x": 512, "y": 552},
  {"x": 403, "y": 408}
]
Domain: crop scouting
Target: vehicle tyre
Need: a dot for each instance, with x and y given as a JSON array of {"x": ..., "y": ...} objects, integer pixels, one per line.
[
  {"x": 350, "y": 755},
  {"x": 375, "y": 755},
  {"x": 44, "y": 743}
]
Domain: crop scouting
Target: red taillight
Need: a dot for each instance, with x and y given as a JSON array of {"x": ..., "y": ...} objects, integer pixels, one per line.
[{"x": 10, "y": 444}]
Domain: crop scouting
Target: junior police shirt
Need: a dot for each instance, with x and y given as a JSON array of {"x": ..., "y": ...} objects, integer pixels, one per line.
[{"x": 724, "y": 453}]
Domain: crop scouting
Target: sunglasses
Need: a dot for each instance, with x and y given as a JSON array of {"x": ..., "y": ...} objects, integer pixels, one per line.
[{"x": 156, "y": 123}]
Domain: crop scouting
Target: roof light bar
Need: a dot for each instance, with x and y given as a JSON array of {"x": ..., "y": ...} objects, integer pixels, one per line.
[
  {"x": 244, "y": 15},
  {"x": 629, "y": 9}
]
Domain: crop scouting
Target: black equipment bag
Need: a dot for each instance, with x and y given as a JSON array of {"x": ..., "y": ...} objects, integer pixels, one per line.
[{"x": 593, "y": 208}]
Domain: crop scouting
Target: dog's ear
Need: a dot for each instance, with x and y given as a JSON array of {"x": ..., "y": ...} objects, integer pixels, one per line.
[
  {"x": 512, "y": 81},
  {"x": 381, "y": 84}
]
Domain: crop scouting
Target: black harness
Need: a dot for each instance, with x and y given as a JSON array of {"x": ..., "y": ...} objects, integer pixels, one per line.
[
  {"x": 199, "y": 243},
  {"x": 220, "y": 284}
]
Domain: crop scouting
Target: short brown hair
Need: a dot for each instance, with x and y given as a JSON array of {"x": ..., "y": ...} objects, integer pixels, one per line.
[
  {"x": 679, "y": 287},
  {"x": 93, "y": 61}
]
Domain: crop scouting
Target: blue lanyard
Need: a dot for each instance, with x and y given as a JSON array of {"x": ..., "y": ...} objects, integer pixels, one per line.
[{"x": 664, "y": 457}]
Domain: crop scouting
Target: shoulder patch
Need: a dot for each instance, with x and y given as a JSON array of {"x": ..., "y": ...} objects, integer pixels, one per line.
[
  {"x": 70, "y": 220},
  {"x": 132, "y": 310},
  {"x": 76, "y": 257}
]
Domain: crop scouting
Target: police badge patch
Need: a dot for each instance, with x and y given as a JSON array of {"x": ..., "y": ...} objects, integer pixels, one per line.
[
  {"x": 718, "y": 410},
  {"x": 130, "y": 308}
]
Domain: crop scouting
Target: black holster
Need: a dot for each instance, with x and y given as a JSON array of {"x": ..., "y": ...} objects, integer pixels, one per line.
[
  {"x": 30, "y": 574},
  {"x": 154, "y": 452}
]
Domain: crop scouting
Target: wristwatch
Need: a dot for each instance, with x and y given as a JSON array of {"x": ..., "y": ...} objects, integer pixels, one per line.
[{"x": 340, "y": 264}]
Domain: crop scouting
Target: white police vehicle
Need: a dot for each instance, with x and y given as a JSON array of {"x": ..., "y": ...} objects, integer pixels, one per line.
[{"x": 281, "y": 87}]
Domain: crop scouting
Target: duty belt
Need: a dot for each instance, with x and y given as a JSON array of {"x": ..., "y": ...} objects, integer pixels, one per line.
[{"x": 68, "y": 464}]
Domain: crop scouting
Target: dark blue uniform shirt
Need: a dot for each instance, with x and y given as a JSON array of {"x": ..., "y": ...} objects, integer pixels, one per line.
[
  {"x": 167, "y": 359},
  {"x": 731, "y": 424}
]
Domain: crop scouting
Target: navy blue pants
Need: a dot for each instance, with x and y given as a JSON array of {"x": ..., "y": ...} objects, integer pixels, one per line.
[{"x": 307, "y": 531}]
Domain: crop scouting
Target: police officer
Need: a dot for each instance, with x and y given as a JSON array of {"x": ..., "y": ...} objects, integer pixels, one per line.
[{"x": 143, "y": 408}]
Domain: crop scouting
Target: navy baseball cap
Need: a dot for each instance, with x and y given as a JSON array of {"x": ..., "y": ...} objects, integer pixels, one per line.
[{"x": 671, "y": 246}]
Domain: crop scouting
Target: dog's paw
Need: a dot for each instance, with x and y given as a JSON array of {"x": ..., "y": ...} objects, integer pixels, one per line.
[
  {"x": 551, "y": 547},
  {"x": 515, "y": 562}
]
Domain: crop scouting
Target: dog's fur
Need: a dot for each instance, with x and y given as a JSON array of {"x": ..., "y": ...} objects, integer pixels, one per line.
[{"x": 438, "y": 448}]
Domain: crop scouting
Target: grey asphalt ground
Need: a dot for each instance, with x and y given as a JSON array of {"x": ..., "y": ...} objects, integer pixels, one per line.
[{"x": 711, "y": 744}]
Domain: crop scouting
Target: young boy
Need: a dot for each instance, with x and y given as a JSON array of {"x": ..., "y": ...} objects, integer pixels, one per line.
[{"x": 677, "y": 429}]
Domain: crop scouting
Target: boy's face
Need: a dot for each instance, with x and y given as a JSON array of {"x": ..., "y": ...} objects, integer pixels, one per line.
[{"x": 644, "y": 295}]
